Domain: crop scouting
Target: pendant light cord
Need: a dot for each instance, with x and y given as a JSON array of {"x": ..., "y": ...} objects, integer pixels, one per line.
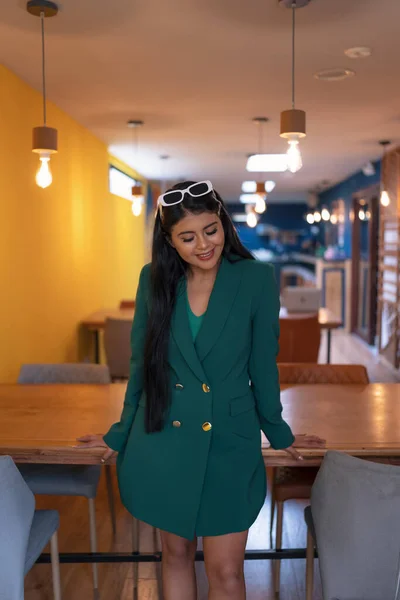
[
  {"x": 135, "y": 150},
  {"x": 260, "y": 142},
  {"x": 43, "y": 70},
  {"x": 293, "y": 52}
]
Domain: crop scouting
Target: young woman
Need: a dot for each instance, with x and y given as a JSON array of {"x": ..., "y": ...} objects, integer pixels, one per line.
[{"x": 203, "y": 382}]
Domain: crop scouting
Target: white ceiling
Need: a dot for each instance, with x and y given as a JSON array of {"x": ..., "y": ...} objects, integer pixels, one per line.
[{"x": 197, "y": 71}]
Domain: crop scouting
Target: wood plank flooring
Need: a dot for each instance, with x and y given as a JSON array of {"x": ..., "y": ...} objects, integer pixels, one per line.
[{"x": 116, "y": 581}]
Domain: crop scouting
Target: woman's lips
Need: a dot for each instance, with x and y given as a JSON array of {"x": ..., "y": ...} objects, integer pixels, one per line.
[{"x": 206, "y": 256}]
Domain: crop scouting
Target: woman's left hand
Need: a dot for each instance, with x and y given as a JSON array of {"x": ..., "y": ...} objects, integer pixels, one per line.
[{"x": 304, "y": 441}]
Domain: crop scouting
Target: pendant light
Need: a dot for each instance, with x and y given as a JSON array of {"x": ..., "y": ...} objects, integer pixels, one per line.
[
  {"x": 260, "y": 192},
  {"x": 261, "y": 205},
  {"x": 137, "y": 189},
  {"x": 385, "y": 198},
  {"x": 44, "y": 138},
  {"x": 251, "y": 219},
  {"x": 317, "y": 216},
  {"x": 293, "y": 121},
  {"x": 325, "y": 214},
  {"x": 310, "y": 218}
]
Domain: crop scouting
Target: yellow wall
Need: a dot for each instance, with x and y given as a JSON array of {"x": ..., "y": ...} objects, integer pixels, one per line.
[{"x": 64, "y": 251}]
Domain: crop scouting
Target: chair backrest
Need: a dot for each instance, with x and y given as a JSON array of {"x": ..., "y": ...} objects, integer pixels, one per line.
[
  {"x": 299, "y": 339},
  {"x": 17, "y": 506},
  {"x": 64, "y": 373},
  {"x": 127, "y": 304},
  {"x": 294, "y": 373},
  {"x": 117, "y": 345},
  {"x": 356, "y": 508}
]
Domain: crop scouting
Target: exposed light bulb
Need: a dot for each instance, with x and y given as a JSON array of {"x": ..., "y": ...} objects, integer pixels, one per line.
[
  {"x": 325, "y": 214},
  {"x": 260, "y": 206},
  {"x": 251, "y": 219},
  {"x": 136, "y": 207},
  {"x": 317, "y": 216},
  {"x": 334, "y": 219},
  {"x": 294, "y": 161},
  {"x": 310, "y": 218},
  {"x": 385, "y": 200},
  {"x": 44, "y": 177},
  {"x": 361, "y": 214}
]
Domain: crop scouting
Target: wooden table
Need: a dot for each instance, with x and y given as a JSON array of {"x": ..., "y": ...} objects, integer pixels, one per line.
[
  {"x": 97, "y": 320},
  {"x": 327, "y": 320},
  {"x": 361, "y": 420},
  {"x": 39, "y": 423}
]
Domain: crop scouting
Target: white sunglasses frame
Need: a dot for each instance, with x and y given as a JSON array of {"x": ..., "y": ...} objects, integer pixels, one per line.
[{"x": 161, "y": 202}]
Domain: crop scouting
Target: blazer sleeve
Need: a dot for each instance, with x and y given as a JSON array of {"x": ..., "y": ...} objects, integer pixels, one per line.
[
  {"x": 117, "y": 435},
  {"x": 263, "y": 369}
]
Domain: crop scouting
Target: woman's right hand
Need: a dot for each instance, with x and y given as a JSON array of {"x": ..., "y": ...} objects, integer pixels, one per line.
[{"x": 96, "y": 441}]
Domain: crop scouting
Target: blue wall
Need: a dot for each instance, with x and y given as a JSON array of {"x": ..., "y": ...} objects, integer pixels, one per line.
[
  {"x": 345, "y": 191},
  {"x": 282, "y": 216}
]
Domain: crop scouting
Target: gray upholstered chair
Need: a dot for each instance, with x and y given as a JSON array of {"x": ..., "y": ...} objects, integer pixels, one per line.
[
  {"x": 69, "y": 480},
  {"x": 292, "y": 483},
  {"x": 117, "y": 345},
  {"x": 24, "y": 533},
  {"x": 354, "y": 521}
]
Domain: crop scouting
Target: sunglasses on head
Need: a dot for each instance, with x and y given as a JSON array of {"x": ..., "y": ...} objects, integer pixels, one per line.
[{"x": 176, "y": 196}]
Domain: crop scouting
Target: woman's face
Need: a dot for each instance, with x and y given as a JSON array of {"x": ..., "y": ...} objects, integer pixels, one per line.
[{"x": 199, "y": 239}]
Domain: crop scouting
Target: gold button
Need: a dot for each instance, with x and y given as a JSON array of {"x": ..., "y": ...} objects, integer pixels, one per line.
[
  {"x": 206, "y": 389},
  {"x": 206, "y": 426},
  {"x": 176, "y": 423},
  {"x": 179, "y": 386}
]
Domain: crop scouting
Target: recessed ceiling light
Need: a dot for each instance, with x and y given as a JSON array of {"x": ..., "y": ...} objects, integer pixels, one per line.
[
  {"x": 249, "y": 187},
  {"x": 336, "y": 74},
  {"x": 289, "y": 3},
  {"x": 358, "y": 52},
  {"x": 267, "y": 163}
]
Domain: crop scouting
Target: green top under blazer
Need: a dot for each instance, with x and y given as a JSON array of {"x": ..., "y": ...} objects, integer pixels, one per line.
[{"x": 204, "y": 473}]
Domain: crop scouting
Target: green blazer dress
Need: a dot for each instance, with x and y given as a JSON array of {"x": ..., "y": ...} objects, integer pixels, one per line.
[{"x": 204, "y": 474}]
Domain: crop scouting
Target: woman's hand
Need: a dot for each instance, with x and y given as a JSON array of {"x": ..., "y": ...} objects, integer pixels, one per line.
[
  {"x": 304, "y": 441},
  {"x": 96, "y": 441}
]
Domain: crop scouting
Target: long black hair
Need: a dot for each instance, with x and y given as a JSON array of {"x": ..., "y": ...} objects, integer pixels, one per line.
[{"x": 167, "y": 268}]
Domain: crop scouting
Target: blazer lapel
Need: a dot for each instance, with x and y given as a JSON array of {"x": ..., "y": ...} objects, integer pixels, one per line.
[
  {"x": 223, "y": 295},
  {"x": 181, "y": 332}
]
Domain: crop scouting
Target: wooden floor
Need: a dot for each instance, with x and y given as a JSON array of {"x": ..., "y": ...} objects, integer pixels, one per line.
[{"x": 116, "y": 580}]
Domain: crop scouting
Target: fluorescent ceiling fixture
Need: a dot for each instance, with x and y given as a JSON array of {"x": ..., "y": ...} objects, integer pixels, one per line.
[
  {"x": 248, "y": 198},
  {"x": 267, "y": 163},
  {"x": 358, "y": 52},
  {"x": 249, "y": 187},
  {"x": 239, "y": 218}
]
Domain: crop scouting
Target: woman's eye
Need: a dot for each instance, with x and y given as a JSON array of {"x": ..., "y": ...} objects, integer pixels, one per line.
[
  {"x": 188, "y": 240},
  {"x": 212, "y": 232}
]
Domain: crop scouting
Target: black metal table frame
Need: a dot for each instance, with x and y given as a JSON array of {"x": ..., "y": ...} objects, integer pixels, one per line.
[{"x": 146, "y": 557}]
